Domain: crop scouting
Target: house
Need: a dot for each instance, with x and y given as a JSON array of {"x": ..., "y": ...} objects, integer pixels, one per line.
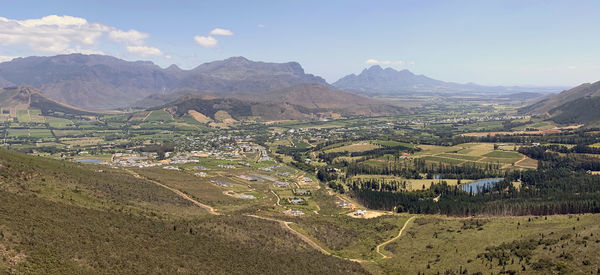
[
  {"x": 281, "y": 184},
  {"x": 297, "y": 201},
  {"x": 301, "y": 192},
  {"x": 359, "y": 212},
  {"x": 222, "y": 184},
  {"x": 343, "y": 204},
  {"x": 294, "y": 212}
]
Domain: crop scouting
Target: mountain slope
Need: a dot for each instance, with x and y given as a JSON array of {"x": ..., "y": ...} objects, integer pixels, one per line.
[
  {"x": 221, "y": 109},
  {"x": 105, "y": 82},
  {"x": 21, "y": 98},
  {"x": 315, "y": 96},
  {"x": 578, "y": 105},
  {"x": 376, "y": 80},
  {"x": 544, "y": 106}
]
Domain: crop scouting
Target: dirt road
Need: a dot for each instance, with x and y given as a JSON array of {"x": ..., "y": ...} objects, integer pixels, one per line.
[
  {"x": 208, "y": 208},
  {"x": 378, "y": 249},
  {"x": 286, "y": 225}
]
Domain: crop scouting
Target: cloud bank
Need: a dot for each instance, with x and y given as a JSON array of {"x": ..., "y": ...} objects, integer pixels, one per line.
[{"x": 56, "y": 34}]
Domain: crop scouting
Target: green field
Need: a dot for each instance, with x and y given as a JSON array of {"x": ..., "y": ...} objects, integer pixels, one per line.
[
  {"x": 159, "y": 115},
  {"x": 59, "y": 123}
]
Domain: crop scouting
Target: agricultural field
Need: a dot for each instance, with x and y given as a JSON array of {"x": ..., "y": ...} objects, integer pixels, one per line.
[
  {"x": 355, "y": 147},
  {"x": 477, "y": 153},
  {"x": 158, "y": 115}
]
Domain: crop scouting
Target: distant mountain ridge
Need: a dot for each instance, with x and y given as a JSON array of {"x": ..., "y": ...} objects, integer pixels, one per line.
[
  {"x": 105, "y": 82},
  {"x": 376, "y": 80},
  {"x": 301, "y": 101},
  {"x": 23, "y": 98},
  {"x": 578, "y": 105}
]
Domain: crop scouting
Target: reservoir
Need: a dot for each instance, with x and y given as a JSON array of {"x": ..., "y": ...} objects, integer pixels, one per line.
[{"x": 480, "y": 184}]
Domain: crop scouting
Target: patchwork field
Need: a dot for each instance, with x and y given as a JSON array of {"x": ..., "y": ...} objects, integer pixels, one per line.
[{"x": 479, "y": 153}]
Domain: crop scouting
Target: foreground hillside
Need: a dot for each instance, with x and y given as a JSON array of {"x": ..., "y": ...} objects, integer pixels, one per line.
[
  {"x": 58, "y": 217},
  {"x": 63, "y": 217}
]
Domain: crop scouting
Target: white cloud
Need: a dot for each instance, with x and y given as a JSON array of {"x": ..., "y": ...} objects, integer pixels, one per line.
[
  {"x": 571, "y": 67},
  {"x": 261, "y": 25},
  {"x": 56, "y": 34},
  {"x": 209, "y": 41},
  {"x": 387, "y": 62},
  {"x": 143, "y": 50},
  {"x": 219, "y": 31},
  {"x": 129, "y": 37},
  {"x": 54, "y": 20},
  {"x": 206, "y": 41}
]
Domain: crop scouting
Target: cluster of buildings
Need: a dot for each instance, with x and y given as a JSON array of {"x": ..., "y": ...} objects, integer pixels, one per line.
[
  {"x": 220, "y": 183},
  {"x": 294, "y": 212},
  {"x": 281, "y": 184}
]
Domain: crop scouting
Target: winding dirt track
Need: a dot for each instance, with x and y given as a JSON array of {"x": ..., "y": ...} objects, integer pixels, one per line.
[
  {"x": 378, "y": 249},
  {"x": 208, "y": 208},
  {"x": 286, "y": 225},
  {"x": 278, "y": 199},
  {"x": 313, "y": 244}
]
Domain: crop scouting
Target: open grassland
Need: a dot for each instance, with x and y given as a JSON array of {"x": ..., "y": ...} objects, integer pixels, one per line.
[
  {"x": 55, "y": 122},
  {"x": 46, "y": 238},
  {"x": 349, "y": 237},
  {"x": 540, "y": 125},
  {"x": 86, "y": 141},
  {"x": 542, "y": 245},
  {"x": 18, "y": 133},
  {"x": 201, "y": 189}
]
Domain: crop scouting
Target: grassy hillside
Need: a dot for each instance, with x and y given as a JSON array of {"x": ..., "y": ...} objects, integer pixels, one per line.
[
  {"x": 582, "y": 110},
  {"x": 59, "y": 217}
]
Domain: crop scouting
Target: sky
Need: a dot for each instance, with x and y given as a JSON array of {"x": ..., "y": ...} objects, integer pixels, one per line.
[{"x": 544, "y": 43}]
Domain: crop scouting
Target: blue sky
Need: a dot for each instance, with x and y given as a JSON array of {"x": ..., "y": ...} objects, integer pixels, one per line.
[{"x": 487, "y": 42}]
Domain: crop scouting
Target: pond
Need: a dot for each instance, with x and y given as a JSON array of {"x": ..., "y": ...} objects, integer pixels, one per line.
[
  {"x": 89, "y": 160},
  {"x": 480, "y": 184}
]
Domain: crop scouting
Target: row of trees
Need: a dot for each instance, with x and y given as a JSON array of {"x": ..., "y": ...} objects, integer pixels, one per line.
[{"x": 542, "y": 192}]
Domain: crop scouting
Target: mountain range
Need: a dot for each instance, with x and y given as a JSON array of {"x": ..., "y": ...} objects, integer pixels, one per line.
[
  {"x": 105, "y": 82},
  {"x": 379, "y": 81}
]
